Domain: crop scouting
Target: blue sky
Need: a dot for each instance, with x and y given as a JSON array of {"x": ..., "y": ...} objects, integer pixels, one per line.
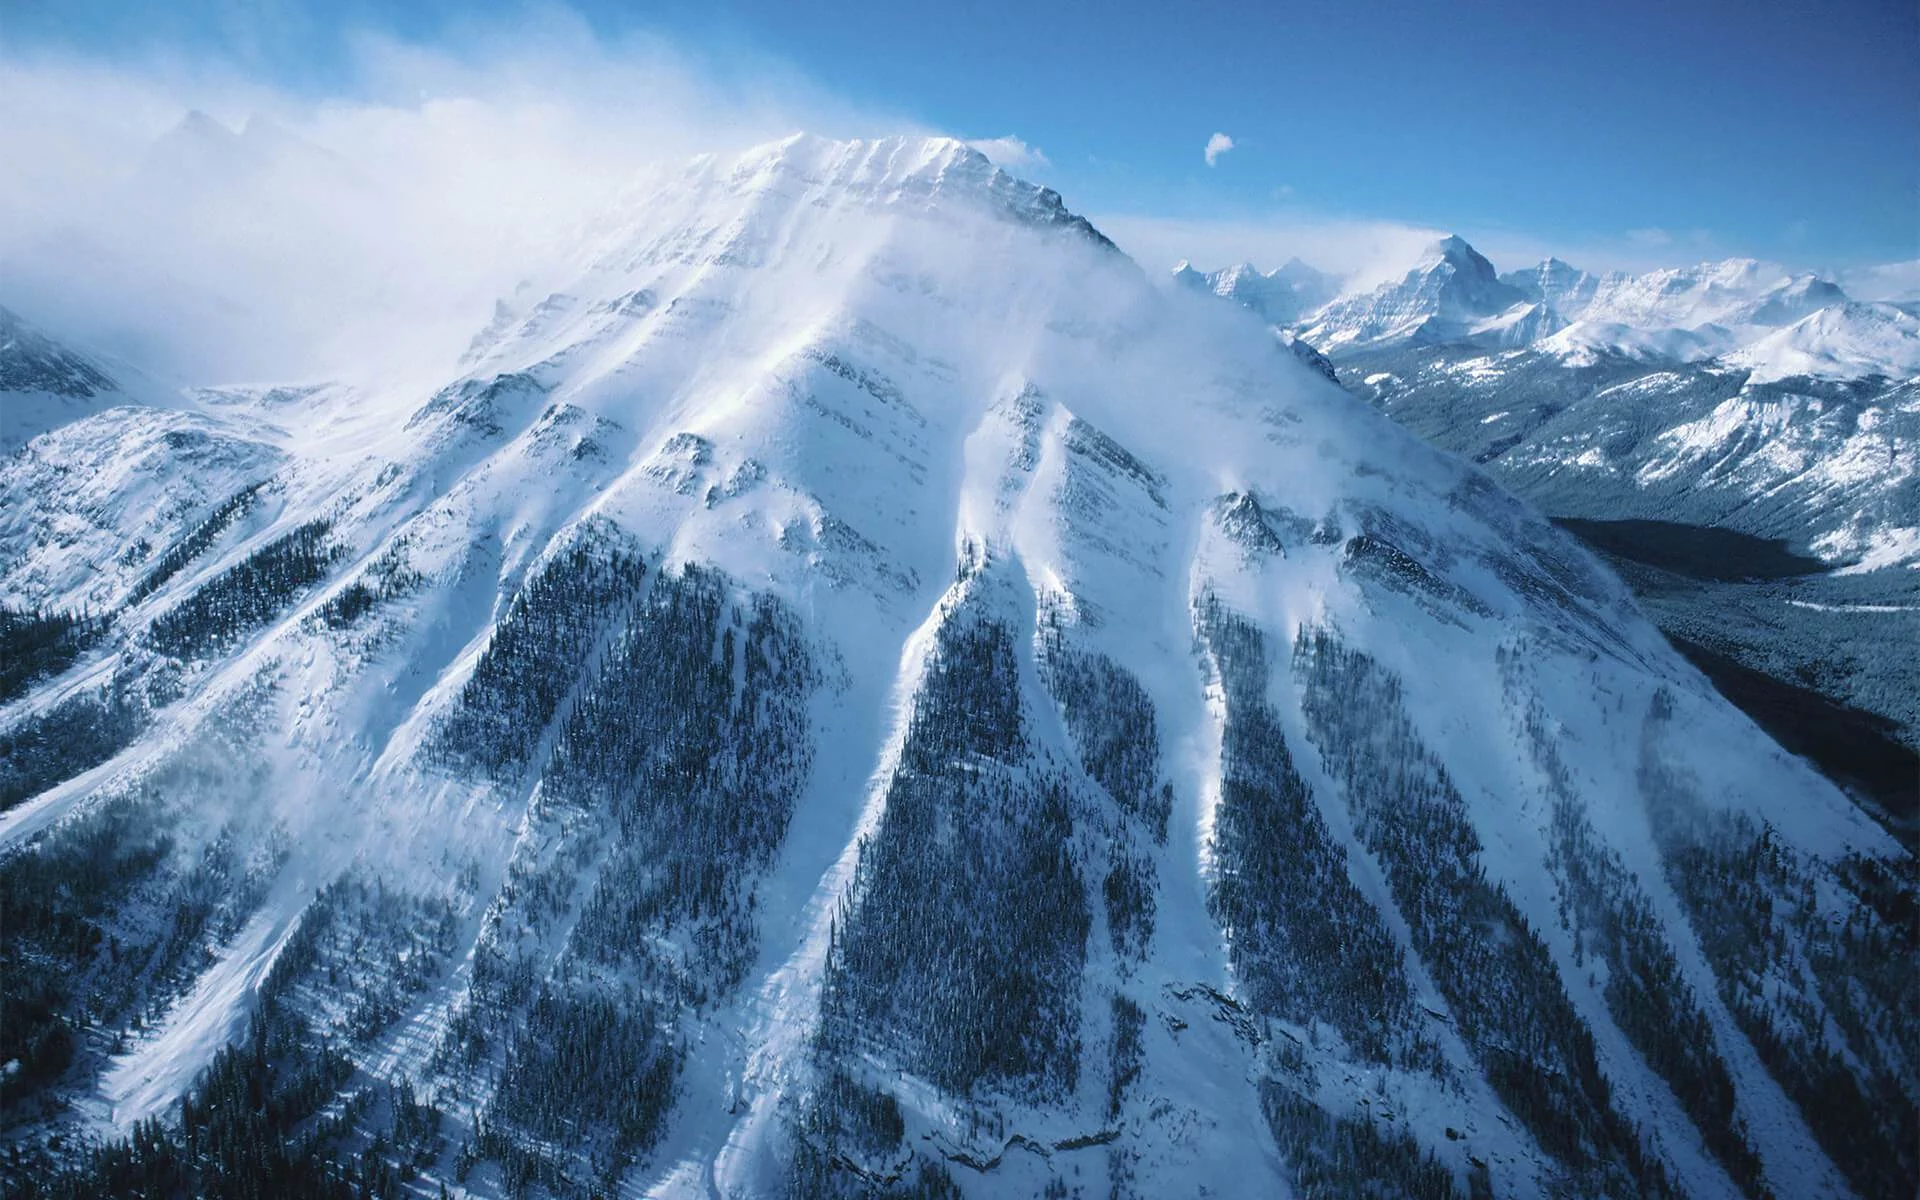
[{"x": 1659, "y": 131}]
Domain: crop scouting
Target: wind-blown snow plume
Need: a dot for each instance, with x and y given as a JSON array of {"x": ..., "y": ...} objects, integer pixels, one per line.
[
  {"x": 209, "y": 226},
  {"x": 856, "y": 688}
]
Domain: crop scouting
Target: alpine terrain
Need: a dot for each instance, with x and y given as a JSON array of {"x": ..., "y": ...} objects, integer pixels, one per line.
[
  {"x": 854, "y": 688},
  {"x": 1741, "y": 442}
]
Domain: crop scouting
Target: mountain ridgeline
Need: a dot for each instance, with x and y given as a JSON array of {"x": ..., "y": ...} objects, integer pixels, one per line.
[
  {"x": 861, "y": 693},
  {"x": 1740, "y": 442}
]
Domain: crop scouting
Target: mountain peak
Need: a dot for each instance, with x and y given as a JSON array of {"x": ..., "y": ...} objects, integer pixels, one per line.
[
  {"x": 1451, "y": 248},
  {"x": 1457, "y": 253},
  {"x": 196, "y": 142},
  {"x": 791, "y": 673},
  {"x": 1278, "y": 297},
  {"x": 1555, "y": 283},
  {"x": 898, "y": 171},
  {"x": 1450, "y": 289}
]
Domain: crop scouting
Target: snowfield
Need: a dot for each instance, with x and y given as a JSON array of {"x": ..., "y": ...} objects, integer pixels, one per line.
[{"x": 858, "y": 690}]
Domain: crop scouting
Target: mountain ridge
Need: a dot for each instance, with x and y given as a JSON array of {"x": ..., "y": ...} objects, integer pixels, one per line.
[
  {"x": 798, "y": 665},
  {"x": 1691, "y": 331}
]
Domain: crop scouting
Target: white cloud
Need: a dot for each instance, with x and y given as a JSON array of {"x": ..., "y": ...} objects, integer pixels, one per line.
[
  {"x": 1365, "y": 251},
  {"x": 371, "y": 231},
  {"x": 363, "y": 232},
  {"x": 1888, "y": 281},
  {"x": 1012, "y": 154}
]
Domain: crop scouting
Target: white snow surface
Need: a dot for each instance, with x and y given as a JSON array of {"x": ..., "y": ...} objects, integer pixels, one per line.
[
  {"x": 848, "y": 328},
  {"x": 1844, "y": 341},
  {"x": 1747, "y": 313}
]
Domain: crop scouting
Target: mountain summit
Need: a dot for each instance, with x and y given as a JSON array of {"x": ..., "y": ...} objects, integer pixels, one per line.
[
  {"x": 1563, "y": 288},
  {"x": 1451, "y": 289},
  {"x": 859, "y": 692}
]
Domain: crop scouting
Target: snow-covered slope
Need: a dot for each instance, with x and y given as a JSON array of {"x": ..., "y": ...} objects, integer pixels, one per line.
[
  {"x": 1568, "y": 385},
  {"x": 1584, "y": 343},
  {"x": 1840, "y": 341},
  {"x": 1735, "y": 309},
  {"x": 1685, "y": 297},
  {"x": 44, "y": 384},
  {"x": 1450, "y": 290},
  {"x": 1829, "y": 467},
  {"x": 1729, "y": 310},
  {"x": 1562, "y": 287},
  {"x": 861, "y": 692}
]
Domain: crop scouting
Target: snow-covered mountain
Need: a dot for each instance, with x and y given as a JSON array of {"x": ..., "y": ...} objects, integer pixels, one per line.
[
  {"x": 1561, "y": 287},
  {"x": 1841, "y": 340},
  {"x": 1452, "y": 294},
  {"x": 1449, "y": 293},
  {"x": 1545, "y": 366},
  {"x": 861, "y": 692},
  {"x": 1280, "y": 296},
  {"x": 1748, "y": 433},
  {"x": 44, "y": 384}
]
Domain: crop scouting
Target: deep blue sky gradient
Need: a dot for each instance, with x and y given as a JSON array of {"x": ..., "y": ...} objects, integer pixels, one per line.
[{"x": 1788, "y": 130}]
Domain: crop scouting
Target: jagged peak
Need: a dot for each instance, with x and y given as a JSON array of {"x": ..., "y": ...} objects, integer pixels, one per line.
[
  {"x": 1452, "y": 246},
  {"x": 1555, "y": 267},
  {"x": 1456, "y": 252},
  {"x": 1453, "y": 253},
  {"x": 1552, "y": 279}
]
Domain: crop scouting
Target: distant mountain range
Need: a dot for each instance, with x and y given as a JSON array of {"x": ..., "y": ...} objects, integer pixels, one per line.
[
  {"x": 1730, "y": 393},
  {"x": 1775, "y": 323},
  {"x": 1761, "y": 406}
]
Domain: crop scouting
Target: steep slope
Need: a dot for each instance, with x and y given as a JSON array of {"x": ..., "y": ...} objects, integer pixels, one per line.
[
  {"x": 1449, "y": 292},
  {"x": 44, "y": 385},
  {"x": 1710, "y": 406},
  {"x": 862, "y": 693},
  {"x": 1651, "y": 453},
  {"x": 1563, "y": 288}
]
